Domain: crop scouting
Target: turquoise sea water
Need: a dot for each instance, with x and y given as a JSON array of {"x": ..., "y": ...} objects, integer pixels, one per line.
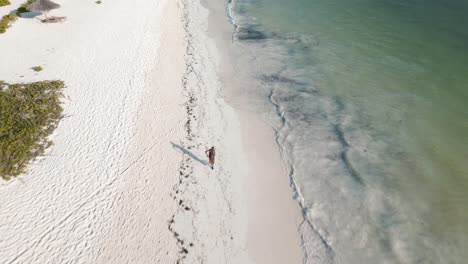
[{"x": 372, "y": 102}]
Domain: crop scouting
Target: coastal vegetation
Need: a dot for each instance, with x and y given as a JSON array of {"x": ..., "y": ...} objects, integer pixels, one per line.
[
  {"x": 37, "y": 68},
  {"x": 6, "y": 22},
  {"x": 24, "y": 7},
  {"x": 29, "y": 113},
  {"x": 4, "y": 2}
]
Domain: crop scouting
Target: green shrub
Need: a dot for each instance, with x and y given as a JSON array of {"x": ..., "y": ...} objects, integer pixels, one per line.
[
  {"x": 98, "y": 2},
  {"x": 4, "y": 2},
  {"x": 21, "y": 9},
  {"x": 29, "y": 113},
  {"x": 6, "y": 21},
  {"x": 24, "y": 7},
  {"x": 37, "y": 68}
]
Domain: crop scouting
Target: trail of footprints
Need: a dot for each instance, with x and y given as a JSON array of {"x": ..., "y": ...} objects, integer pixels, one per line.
[
  {"x": 182, "y": 187},
  {"x": 186, "y": 178}
]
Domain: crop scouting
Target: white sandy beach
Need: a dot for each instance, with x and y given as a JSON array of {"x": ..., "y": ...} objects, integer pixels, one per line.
[{"x": 127, "y": 180}]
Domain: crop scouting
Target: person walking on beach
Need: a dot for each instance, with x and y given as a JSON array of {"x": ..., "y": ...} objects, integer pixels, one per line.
[{"x": 211, "y": 156}]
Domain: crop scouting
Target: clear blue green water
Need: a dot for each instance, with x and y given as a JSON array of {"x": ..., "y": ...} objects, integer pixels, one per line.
[{"x": 373, "y": 101}]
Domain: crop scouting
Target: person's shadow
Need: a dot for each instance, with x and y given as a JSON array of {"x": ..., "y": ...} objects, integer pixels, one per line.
[{"x": 189, "y": 153}]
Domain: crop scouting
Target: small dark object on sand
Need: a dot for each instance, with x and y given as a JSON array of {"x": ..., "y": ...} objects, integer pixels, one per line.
[{"x": 211, "y": 156}]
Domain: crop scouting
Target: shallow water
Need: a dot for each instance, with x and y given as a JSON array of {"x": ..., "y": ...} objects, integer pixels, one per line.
[{"x": 369, "y": 101}]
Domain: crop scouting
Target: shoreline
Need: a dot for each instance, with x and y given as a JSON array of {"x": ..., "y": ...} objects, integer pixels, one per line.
[{"x": 274, "y": 214}]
